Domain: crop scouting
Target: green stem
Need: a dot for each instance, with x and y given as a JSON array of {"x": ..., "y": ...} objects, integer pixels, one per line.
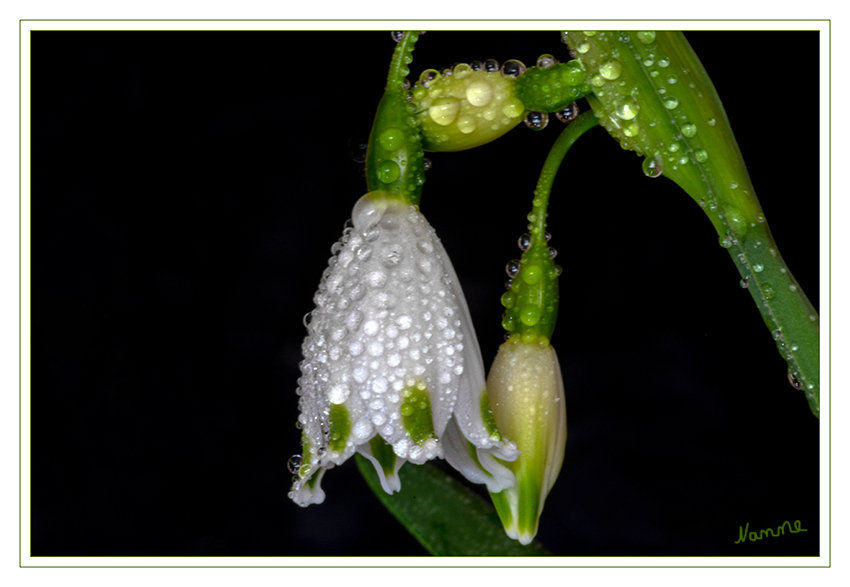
[
  {"x": 395, "y": 161},
  {"x": 532, "y": 302},
  {"x": 550, "y": 89},
  {"x": 583, "y": 123}
]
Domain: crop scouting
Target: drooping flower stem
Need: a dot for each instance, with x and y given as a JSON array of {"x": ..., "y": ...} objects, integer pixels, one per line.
[
  {"x": 532, "y": 302},
  {"x": 583, "y": 123},
  {"x": 525, "y": 385},
  {"x": 395, "y": 161}
]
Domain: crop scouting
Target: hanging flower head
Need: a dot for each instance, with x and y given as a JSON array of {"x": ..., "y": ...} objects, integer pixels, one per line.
[
  {"x": 526, "y": 388},
  {"x": 391, "y": 367},
  {"x": 525, "y": 385}
]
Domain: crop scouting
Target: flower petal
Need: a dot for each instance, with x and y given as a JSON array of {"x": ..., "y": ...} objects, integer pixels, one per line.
[
  {"x": 477, "y": 464},
  {"x": 385, "y": 461},
  {"x": 527, "y": 392}
]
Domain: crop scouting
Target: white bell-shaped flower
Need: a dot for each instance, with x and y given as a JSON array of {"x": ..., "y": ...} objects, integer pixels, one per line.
[{"x": 392, "y": 367}]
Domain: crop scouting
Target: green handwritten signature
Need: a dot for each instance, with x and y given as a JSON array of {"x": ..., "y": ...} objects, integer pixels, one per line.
[{"x": 744, "y": 533}]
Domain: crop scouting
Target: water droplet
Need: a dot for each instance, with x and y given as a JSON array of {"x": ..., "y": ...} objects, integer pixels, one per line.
[
  {"x": 524, "y": 242},
  {"x": 546, "y": 60},
  {"x": 338, "y": 393},
  {"x": 508, "y": 299},
  {"x": 553, "y": 252},
  {"x": 792, "y": 287},
  {"x": 672, "y": 79},
  {"x": 646, "y": 37},
  {"x": 568, "y": 114},
  {"x": 689, "y": 130},
  {"x": 744, "y": 283},
  {"x": 726, "y": 241},
  {"x": 388, "y": 171},
  {"x": 701, "y": 155},
  {"x": 632, "y": 129},
  {"x": 491, "y": 65},
  {"x": 371, "y": 327},
  {"x": 653, "y": 166},
  {"x": 461, "y": 71},
  {"x": 397, "y": 35},
  {"x": 294, "y": 464},
  {"x": 611, "y": 69},
  {"x": 795, "y": 383},
  {"x": 537, "y": 120},
  {"x": 513, "y": 68},
  {"x": 476, "y": 65},
  {"x": 733, "y": 185},
  {"x": 663, "y": 62},
  {"x": 670, "y": 102},
  {"x": 466, "y": 124},
  {"x": 767, "y": 289},
  {"x": 532, "y": 274},
  {"x": 583, "y": 48},
  {"x": 392, "y": 255},
  {"x": 758, "y": 267},
  {"x": 391, "y": 139},
  {"x": 426, "y": 163},
  {"x": 509, "y": 283},
  {"x": 711, "y": 122},
  {"x": 626, "y": 110},
  {"x": 547, "y": 236},
  {"x": 530, "y": 314},
  {"x": 376, "y": 279},
  {"x": 308, "y": 317},
  {"x": 427, "y": 76},
  {"x": 479, "y": 93},
  {"x": 444, "y": 110},
  {"x": 512, "y": 268}
]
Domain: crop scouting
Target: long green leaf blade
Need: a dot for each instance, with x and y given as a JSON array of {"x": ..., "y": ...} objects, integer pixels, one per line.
[
  {"x": 446, "y": 517},
  {"x": 653, "y": 95}
]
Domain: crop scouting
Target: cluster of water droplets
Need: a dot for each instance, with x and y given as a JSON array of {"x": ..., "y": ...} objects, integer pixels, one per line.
[
  {"x": 520, "y": 277},
  {"x": 626, "y": 120},
  {"x": 467, "y": 104},
  {"x": 387, "y": 322}
]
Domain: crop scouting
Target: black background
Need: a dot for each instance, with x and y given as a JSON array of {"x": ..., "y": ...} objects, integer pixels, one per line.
[{"x": 186, "y": 188}]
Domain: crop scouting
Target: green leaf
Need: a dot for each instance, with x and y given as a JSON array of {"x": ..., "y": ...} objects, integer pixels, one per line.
[
  {"x": 653, "y": 95},
  {"x": 447, "y": 518}
]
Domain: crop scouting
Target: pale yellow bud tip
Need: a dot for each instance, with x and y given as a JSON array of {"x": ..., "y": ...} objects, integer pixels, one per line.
[{"x": 527, "y": 397}]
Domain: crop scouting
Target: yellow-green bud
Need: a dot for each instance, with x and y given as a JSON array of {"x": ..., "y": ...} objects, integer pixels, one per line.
[
  {"x": 465, "y": 109},
  {"x": 527, "y": 398}
]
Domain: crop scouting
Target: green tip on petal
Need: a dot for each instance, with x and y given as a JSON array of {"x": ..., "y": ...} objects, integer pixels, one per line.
[{"x": 416, "y": 413}]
